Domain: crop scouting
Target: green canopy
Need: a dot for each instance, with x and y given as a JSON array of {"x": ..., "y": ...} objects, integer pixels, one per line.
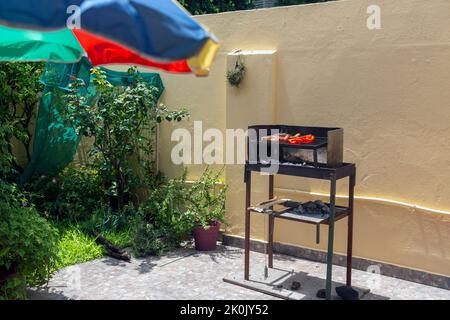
[{"x": 30, "y": 45}]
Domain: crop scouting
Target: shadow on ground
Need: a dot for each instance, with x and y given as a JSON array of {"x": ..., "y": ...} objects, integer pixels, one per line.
[
  {"x": 46, "y": 294},
  {"x": 279, "y": 281}
]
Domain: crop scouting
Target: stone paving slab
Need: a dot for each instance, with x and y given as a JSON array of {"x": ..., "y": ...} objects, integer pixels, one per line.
[{"x": 188, "y": 274}]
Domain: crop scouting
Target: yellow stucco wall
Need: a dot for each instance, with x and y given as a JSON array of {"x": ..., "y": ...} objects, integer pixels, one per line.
[{"x": 390, "y": 91}]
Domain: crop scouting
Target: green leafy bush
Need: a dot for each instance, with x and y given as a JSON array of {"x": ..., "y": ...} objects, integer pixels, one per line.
[
  {"x": 149, "y": 240},
  {"x": 11, "y": 194},
  {"x": 27, "y": 250},
  {"x": 166, "y": 207},
  {"x": 206, "y": 199},
  {"x": 174, "y": 208},
  {"x": 19, "y": 95},
  {"x": 72, "y": 195},
  {"x": 123, "y": 122},
  {"x": 80, "y": 192},
  {"x": 120, "y": 220},
  {"x": 164, "y": 223}
]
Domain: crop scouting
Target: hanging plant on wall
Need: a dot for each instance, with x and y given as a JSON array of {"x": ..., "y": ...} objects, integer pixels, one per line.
[{"x": 236, "y": 75}]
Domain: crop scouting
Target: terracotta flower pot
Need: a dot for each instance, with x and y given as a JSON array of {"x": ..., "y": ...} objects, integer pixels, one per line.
[{"x": 206, "y": 239}]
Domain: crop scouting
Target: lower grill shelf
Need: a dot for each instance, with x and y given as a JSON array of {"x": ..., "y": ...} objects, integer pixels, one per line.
[
  {"x": 288, "y": 214},
  {"x": 341, "y": 212}
]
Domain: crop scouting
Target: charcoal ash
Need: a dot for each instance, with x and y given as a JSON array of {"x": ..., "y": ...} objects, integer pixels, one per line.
[
  {"x": 312, "y": 207},
  {"x": 298, "y": 164},
  {"x": 322, "y": 206},
  {"x": 291, "y": 204},
  {"x": 301, "y": 156},
  {"x": 299, "y": 209}
]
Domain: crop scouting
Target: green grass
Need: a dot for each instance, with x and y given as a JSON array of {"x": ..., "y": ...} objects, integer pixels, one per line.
[{"x": 76, "y": 247}]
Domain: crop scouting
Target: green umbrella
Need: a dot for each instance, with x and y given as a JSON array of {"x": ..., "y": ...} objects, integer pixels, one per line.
[{"x": 30, "y": 45}]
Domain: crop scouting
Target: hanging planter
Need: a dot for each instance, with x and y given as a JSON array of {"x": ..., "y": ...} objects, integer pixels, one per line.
[{"x": 236, "y": 75}]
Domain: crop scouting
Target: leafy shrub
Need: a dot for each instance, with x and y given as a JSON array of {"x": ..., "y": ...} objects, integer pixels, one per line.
[
  {"x": 12, "y": 195},
  {"x": 27, "y": 250},
  {"x": 19, "y": 95},
  {"x": 174, "y": 209},
  {"x": 166, "y": 207},
  {"x": 81, "y": 192},
  {"x": 120, "y": 220},
  {"x": 149, "y": 240},
  {"x": 162, "y": 222},
  {"x": 72, "y": 195},
  {"x": 206, "y": 199},
  {"x": 123, "y": 122}
]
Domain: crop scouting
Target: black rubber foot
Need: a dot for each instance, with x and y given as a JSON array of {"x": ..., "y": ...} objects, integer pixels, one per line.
[
  {"x": 347, "y": 293},
  {"x": 295, "y": 285},
  {"x": 321, "y": 294}
]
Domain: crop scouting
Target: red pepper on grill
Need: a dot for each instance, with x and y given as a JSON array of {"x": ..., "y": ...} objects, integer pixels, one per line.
[
  {"x": 287, "y": 138},
  {"x": 302, "y": 140},
  {"x": 308, "y": 138}
]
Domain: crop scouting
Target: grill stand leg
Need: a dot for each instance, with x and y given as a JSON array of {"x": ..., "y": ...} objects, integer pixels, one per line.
[
  {"x": 271, "y": 226},
  {"x": 318, "y": 233},
  {"x": 351, "y": 193},
  {"x": 330, "y": 237},
  {"x": 248, "y": 186}
]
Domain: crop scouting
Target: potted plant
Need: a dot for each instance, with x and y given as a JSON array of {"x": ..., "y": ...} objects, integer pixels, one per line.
[
  {"x": 206, "y": 209},
  {"x": 236, "y": 75}
]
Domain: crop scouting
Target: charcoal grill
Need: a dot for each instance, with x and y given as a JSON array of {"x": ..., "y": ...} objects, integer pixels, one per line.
[
  {"x": 327, "y": 164},
  {"x": 325, "y": 150}
]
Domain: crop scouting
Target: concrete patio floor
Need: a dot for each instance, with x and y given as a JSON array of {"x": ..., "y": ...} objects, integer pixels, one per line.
[{"x": 188, "y": 274}]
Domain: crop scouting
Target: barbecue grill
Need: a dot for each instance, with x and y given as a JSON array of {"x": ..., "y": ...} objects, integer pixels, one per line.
[
  {"x": 325, "y": 163},
  {"x": 325, "y": 150}
]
